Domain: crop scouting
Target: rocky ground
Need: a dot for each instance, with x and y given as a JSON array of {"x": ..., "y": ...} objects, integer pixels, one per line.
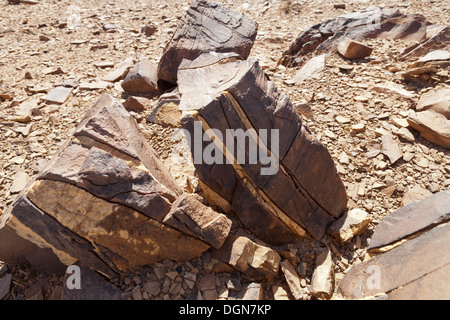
[{"x": 43, "y": 45}]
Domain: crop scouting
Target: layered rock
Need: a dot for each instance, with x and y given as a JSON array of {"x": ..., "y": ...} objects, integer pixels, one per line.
[
  {"x": 206, "y": 27},
  {"x": 357, "y": 26},
  {"x": 283, "y": 184},
  {"x": 106, "y": 200}
]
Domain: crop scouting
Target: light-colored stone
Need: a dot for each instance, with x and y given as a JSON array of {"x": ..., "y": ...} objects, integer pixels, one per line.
[
  {"x": 292, "y": 279},
  {"x": 351, "y": 224},
  {"x": 414, "y": 194},
  {"x": 58, "y": 95},
  {"x": 390, "y": 148},
  {"x": 353, "y": 49},
  {"x": 20, "y": 181},
  {"x": 313, "y": 68},
  {"x": 322, "y": 281},
  {"x": 433, "y": 126}
]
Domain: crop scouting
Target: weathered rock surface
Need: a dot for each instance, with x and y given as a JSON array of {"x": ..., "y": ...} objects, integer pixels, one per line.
[
  {"x": 433, "y": 126},
  {"x": 437, "y": 101},
  {"x": 357, "y": 26},
  {"x": 405, "y": 271},
  {"x": 299, "y": 194},
  {"x": 204, "y": 28},
  {"x": 440, "y": 41},
  {"x": 353, "y": 49},
  {"x": 166, "y": 111},
  {"x": 103, "y": 199},
  {"x": 322, "y": 281},
  {"x": 292, "y": 279},
  {"x": 141, "y": 79},
  {"x": 312, "y": 68},
  {"x": 349, "y": 225}
]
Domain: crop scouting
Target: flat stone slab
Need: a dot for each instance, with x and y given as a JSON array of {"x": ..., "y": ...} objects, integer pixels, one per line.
[{"x": 58, "y": 95}]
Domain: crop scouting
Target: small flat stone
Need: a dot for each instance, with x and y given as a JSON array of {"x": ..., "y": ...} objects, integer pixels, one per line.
[
  {"x": 20, "y": 181},
  {"x": 390, "y": 148},
  {"x": 58, "y": 95}
]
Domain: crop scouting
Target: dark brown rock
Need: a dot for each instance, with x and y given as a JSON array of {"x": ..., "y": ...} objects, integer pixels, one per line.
[
  {"x": 440, "y": 41},
  {"x": 301, "y": 196},
  {"x": 137, "y": 104},
  {"x": 353, "y": 49},
  {"x": 141, "y": 79},
  {"x": 374, "y": 23},
  {"x": 206, "y": 27}
]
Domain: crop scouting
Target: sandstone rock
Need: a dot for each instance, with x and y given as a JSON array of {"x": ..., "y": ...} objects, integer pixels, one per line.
[
  {"x": 439, "y": 41},
  {"x": 249, "y": 257},
  {"x": 312, "y": 68},
  {"x": 292, "y": 279},
  {"x": 120, "y": 72},
  {"x": 137, "y": 104},
  {"x": 394, "y": 89},
  {"x": 353, "y": 49},
  {"x": 98, "y": 85},
  {"x": 102, "y": 200},
  {"x": 266, "y": 201},
  {"x": 93, "y": 287},
  {"x": 414, "y": 194},
  {"x": 437, "y": 101},
  {"x": 351, "y": 224},
  {"x": 372, "y": 23},
  {"x": 204, "y": 28},
  {"x": 280, "y": 293},
  {"x": 322, "y": 281},
  {"x": 58, "y": 95},
  {"x": 166, "y": 112},
  {"x": 390, "y": 148},
  {"x": 408, "y": 267},
  {"x": 141, "y": 79},
  {"x": 250, "y": 291},
  {"x": 433, "y": 126},
  {"x": 20, "y": 181}
]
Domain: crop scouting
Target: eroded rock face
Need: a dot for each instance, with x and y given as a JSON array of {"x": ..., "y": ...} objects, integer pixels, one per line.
[
  {"x": 206, "y": 27},
  {"x": 106, "y": 200},
  {"x": 357, "y": 26},
  {"x": 291, "y": 189}
]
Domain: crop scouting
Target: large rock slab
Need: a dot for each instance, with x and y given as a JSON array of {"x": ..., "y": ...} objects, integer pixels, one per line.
[
  {"x": 206, "y": 27},
  {"x": 437, "y": 101},
  {"x": 372, "y": 23},
  {"x": 404, "y": 271},
  {"x": 291, "y": 189},
  {"x": 104, "y": 199},
  {"x": 439, "y": 41}
]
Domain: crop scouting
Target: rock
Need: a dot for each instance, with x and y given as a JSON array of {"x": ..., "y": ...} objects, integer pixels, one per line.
[
  {"x": 137, "y": 104},
  {"x": 414, "y": 194},
  {"x": 204, "y": 28},
  {"x": 106, "y": 189},
  {"x": 149, "y": 30},
  {"x": 322, "y": 281},
  {"x": 351, "y": 49},
  {"x": 120, "y": 72},
  {"x": 415, "y": 216},
  {"x": 23, "y": 114},
  {"x": 390, "y": 148},
  {"x": 280, "y": 293},
  {"x": 98, "y": 85},
  {"x": 20, "y": 181},
  {"x": 437, "y": 101},
  {"x": 246, "y": 256},
  {"x": 394, "y": 89},
  {"x": 207, "y": 281},
  {"x": 406, "y": 134},
  {"x": 153, "y": 288},
  {"x": 141, "y": 79},
  {"x": 359, "y": 127},
  {"x": 137, "y": 293},
  {"x": 253, "y": 190},
  {"x": 93, "y": 287},
  {"x": 351, "y": 224},
  {"x": 433, "y": 126},
  {"x": 292, "y": 279},
  {"x": 5, "y": 284},
  {"x": 166, "y": 112},
  {"x": 250, "y": 291},
  {"x": 192, "y": 217},
  {"x": 360, "y": 25},
  {"x": 313, "y": 68},
  {"x": 409, "y": 270},
  {"x": 439, "y": 41},
  {"x": 58, "y": 95}
]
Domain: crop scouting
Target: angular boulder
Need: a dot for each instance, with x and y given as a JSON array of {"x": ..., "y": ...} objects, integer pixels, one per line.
[
  {"x": 141, "y": 79},
  {"x": 206, "y": 27},
  {"x": 103, "y": 199},
  {"x": 353, "y": 49},
  {"x": 437, "y": 101},
  {"x": 252, "y": 153},
  {"x": 433, "y": 126}
]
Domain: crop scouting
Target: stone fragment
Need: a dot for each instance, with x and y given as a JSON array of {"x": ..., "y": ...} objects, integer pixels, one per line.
[
  {"x": 322, "y": 281},
  {"x": 414, "y": 194},
  {"x": 351, "y": 49},
  {"x": 204, "y": 28},
  {"x": 437, "y": 101},
  {"x": 433, "y": 126},
  {"x": 248, "y": 257},
  {"x": 120, "y": 72},
  {"x": 280, "y": 293},
  {"x": 250, "y": 291},
  {"x": 58, "y": 95},
  {"x": 149, "y": 30},
  {"x": 413, "y": 217},
  {"x": 141, "y": 79},
  {"x": 23, "y": 114},
  {"x": 137, "y": 104},
  {"x": 313, "y": 68},
  {"x": 292, "y": 279},
  {"x": 351, "y": 224},
  {"x": 166, "y": 111},
  {"x": 20, "y": 181},
  {"x": 266, "y": 199},
  {"x": 392, "y": 88},
  {"x": 98, "y": 85},
  {"x": 390, "y": 148},
  {"x": 439, "y": 41},
  {"x": 192, "y": 217},
  {"x": 406, "y": 134}
]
